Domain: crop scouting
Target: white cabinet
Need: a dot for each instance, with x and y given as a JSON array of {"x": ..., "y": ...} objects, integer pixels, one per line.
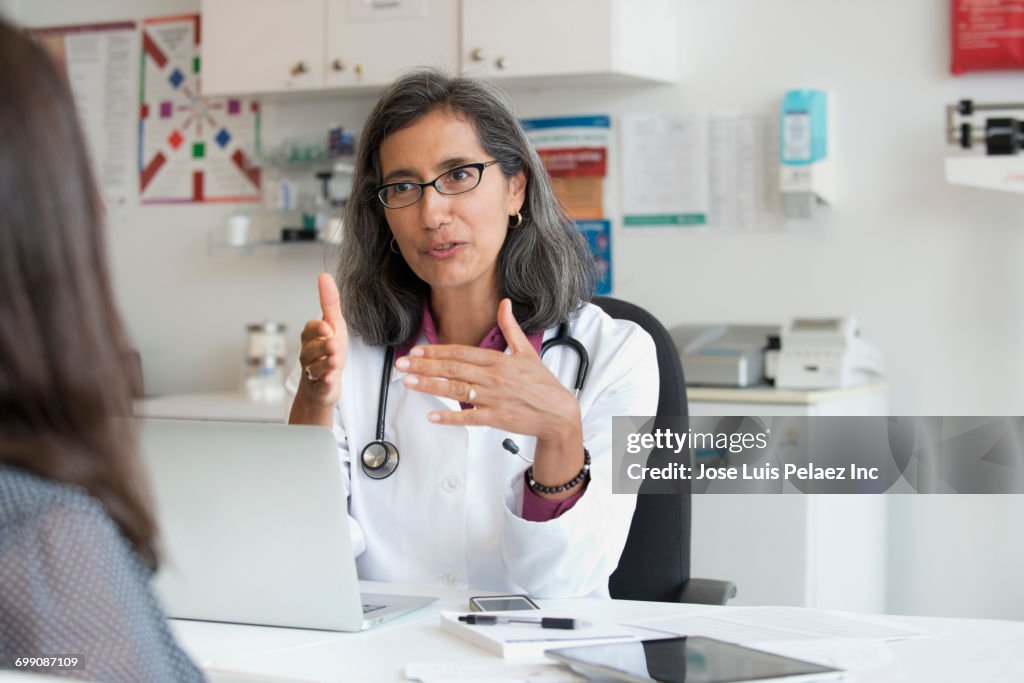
[
  {"x": 584, "y": 40},
  {"x": 371, "y": 50},
  {"x": 272, "y": 46},
  {"x": 826, "y": 551},
  {"x": 254, "y": 46},
  {"x": 281, "y": 46}
]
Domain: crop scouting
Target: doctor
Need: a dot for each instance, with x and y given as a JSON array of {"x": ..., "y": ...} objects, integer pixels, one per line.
[{"x": 458, "y": 257}]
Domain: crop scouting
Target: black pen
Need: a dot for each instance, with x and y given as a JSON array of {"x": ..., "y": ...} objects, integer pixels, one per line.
[{"x": 546, "y": 622}]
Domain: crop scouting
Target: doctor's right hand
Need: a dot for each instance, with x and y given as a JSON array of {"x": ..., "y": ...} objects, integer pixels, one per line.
[{"x": 324, "y": 349}]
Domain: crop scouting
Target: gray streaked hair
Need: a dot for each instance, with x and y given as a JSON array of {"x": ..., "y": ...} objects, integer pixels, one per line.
[{"x": 545, "y": 266}]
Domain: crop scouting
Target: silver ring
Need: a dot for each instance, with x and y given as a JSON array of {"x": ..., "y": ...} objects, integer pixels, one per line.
[
  {"x": 472, "y": 395},
  {"x": 309, "y": 375}
]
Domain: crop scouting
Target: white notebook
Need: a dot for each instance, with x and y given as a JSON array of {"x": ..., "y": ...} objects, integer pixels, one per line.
[{"x": 520, "y": 641}]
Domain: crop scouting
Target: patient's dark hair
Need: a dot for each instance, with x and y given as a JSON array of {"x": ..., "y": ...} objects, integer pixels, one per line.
[{"x": 65, "y": 360}]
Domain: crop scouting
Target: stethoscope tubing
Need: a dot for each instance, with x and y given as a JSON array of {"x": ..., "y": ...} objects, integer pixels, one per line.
[{"x": 388, "y": 467}]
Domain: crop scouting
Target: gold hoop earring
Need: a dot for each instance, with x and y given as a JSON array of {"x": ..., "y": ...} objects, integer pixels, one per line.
[
  {"x": 396, "y": 251},
  {"x": 519, "y": 220}
]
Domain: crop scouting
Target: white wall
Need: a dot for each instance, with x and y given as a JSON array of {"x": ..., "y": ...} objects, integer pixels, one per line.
[
  {"x": 186, "y": 305},
  {"x": 933, "y": 271}
]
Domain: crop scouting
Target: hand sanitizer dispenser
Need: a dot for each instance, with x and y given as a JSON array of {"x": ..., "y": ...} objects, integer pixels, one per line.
[{"x": 806, "y": 153}]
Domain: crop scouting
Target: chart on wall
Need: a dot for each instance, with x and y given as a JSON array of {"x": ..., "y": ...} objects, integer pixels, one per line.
[
  {"x": 191, "y": 148},
  {"x": 101, "y": 68}
]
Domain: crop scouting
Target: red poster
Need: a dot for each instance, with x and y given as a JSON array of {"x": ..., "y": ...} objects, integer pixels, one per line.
[
  {"x": 575, "y": 162},
  {"x": 987, "y": 35}
]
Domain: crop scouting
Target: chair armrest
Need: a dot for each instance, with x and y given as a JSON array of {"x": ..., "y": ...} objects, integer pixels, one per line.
[{"x": 707, "y": 592}]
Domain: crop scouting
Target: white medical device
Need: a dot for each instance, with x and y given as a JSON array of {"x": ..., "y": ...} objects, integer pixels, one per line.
[
  {"x": 723, "y": 355},
  {"x": 826, "y": 353},
  {"x": 988, "y": 139}
]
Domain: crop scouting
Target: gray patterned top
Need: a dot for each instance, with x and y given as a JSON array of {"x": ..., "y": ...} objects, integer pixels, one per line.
[{"x": 71, "y": 584}]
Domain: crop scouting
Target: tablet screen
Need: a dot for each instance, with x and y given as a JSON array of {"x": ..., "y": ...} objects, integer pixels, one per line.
[{"x": 689, "y": 660}]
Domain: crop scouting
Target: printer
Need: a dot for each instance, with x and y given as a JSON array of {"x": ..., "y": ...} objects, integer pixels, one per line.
[
  {"x": 723, "y": 355},
  {"x": 826, "y": 353}
]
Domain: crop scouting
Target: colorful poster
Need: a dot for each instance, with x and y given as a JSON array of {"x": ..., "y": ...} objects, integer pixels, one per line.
[
  {"x": 599, "y": 236},
  {"x": 574, "y": 150},
  {"x": 101, "y": 66},
  {"x": 191, "y": 148}
]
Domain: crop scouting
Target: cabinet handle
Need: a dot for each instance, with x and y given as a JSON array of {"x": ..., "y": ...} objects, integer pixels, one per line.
[
  {"x": 338, "y": 65},
  {"x": 299, "y": 69},
  {"x": 500, "y": 62},
  {"x": 477, "y": 55},
  {"x": 359, "y": 69}
]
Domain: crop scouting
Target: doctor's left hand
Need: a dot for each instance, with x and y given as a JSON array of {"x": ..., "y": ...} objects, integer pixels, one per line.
[{"x": 515, "y": 392}]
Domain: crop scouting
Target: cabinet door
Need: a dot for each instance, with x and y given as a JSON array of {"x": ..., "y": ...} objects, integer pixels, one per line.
[
  {"x": 536, "y": 37},
  {"x": 257, "y": 46},
  {"x": 371, "y": 42}
]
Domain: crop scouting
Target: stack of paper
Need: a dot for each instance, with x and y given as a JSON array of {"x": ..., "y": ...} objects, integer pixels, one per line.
[{"x": 530, "y": 640}]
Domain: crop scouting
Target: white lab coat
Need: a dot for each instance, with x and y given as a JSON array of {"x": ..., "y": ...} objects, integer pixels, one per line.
[{"x": 451, "y": 513}]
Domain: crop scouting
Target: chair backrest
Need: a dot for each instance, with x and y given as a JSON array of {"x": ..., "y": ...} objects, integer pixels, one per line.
[{"x": 655, "y": 564}]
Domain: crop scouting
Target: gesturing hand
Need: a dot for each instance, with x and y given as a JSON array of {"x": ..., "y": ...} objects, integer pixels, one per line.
[
  {"x": 324, "y": 348},
  {"x": 514, "y": 392}
]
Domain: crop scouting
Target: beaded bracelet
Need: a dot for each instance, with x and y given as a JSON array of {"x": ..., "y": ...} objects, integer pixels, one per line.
[{"x": 540, "y": 488}]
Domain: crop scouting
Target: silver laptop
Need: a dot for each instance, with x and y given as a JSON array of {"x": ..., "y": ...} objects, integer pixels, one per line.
[{"x": 253, "y": 527}]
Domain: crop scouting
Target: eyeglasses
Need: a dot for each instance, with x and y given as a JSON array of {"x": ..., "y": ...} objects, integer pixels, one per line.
[{"x": 456, "y": 181}]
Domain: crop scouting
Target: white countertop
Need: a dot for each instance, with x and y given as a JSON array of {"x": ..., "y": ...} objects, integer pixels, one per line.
[{"x": 768, "y": 394}]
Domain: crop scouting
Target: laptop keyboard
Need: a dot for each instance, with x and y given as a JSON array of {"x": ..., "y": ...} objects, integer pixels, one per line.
[{"x": 367, "y": 608}]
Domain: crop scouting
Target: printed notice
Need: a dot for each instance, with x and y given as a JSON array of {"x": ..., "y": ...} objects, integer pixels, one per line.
[
  {"x": 664, "y": 170},
  {"x": 743, "y": 173},
  {"x": 101, "y": 66}
]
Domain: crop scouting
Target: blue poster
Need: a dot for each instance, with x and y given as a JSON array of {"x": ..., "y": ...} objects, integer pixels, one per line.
[{"x": 599, "y": 237}]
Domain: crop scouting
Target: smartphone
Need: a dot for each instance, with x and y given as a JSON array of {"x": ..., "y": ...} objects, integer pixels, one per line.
[{"x": 501, "y": 603}]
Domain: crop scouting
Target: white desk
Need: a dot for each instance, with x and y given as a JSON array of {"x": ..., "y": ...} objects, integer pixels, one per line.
[
  {"x": 230, "y": 406},
  {"x": 959, "y": 650}
]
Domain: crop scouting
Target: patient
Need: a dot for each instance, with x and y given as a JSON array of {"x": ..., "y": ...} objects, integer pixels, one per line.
[{"x": 76, "y": 535}]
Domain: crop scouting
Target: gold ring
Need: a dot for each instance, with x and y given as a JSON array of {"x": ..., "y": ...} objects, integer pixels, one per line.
[{"x": 471, "y": 396}]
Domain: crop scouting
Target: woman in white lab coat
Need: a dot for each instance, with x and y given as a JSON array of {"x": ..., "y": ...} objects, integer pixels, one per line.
[{"x": 457, "y": 254}]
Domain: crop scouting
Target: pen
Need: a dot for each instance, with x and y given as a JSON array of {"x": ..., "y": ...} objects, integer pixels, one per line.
[{"x": 546, "y": 622}]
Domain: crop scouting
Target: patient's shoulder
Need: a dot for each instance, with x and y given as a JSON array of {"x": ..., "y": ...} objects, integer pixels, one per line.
[{"x": 27, "y": 496}]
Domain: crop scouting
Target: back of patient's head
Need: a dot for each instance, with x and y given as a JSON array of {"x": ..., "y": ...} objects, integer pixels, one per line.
[{"x": 64, "y": 354}]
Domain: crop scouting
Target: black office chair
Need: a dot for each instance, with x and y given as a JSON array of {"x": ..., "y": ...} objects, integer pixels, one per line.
[{"x": 655, "y": 564}]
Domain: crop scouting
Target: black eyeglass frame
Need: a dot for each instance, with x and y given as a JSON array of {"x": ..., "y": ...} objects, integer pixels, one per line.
[{"x": 479, "y": 166}]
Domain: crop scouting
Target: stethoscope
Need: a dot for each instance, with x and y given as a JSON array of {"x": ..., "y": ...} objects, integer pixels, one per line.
[{"x": 380, "y": 458}]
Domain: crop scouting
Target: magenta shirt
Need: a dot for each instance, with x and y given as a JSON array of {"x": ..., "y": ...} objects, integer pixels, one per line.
[{"x": 535, "y": 508}]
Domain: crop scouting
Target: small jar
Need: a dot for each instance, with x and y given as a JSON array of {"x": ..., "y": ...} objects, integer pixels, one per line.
[
  {"x": 265, "y": 361},
  {"x": 267, "y": 339},
  {"x": 264, "y": 379}
]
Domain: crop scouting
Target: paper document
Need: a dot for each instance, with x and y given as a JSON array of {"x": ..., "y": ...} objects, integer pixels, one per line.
[
  {"x": 102, "y": 69},
  {"x": 743, "y": 173},
  {"x": 520, "y": 641},
  {"x": 498, "y": 672},
  {"x": 749, "y": 625},
  {"x": 664, "y": 170}
]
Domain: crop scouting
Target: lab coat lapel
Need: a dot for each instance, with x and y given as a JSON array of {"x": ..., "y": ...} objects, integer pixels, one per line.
[{"x": 396, "y": 385}]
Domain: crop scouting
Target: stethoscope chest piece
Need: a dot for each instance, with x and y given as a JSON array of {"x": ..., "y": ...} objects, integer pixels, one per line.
[{"x": 379, "y": 459}]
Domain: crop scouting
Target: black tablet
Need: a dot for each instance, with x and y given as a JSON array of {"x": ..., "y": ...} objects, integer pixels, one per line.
[{"x": 693, "y": 659}]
